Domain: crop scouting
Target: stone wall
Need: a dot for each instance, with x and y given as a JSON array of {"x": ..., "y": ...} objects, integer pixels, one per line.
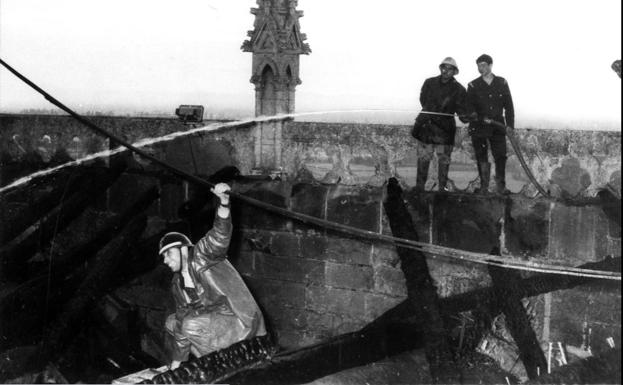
[
  {"x": 33, "y": 142},
  {"x": 313, "y": 284}
]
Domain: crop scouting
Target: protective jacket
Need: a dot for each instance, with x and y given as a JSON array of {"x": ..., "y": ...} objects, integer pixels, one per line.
[
  {"x": 437, "y": 96},
  {"x": 492, "y": 101},
  {"x": 220, "y": 310}
]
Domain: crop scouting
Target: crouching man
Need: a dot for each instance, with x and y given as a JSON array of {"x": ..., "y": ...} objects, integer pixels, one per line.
[{"x": 214, "y": 308}]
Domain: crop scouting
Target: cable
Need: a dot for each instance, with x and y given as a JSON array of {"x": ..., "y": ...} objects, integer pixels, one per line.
[{"x": 508, "y": 262}]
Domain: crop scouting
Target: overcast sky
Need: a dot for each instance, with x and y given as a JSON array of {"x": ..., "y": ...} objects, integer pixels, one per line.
[{"x": 147, "y": 55}]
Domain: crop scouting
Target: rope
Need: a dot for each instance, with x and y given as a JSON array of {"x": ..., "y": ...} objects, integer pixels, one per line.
[{"x": 507, "y": 262}]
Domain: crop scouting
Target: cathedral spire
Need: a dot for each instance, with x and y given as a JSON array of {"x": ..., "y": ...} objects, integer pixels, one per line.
[{"x": 276, "y": 43}]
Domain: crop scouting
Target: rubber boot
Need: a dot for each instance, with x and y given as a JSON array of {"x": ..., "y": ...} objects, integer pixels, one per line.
[
  {"x": 422, "y": 174},
  {"x": 484, "y": 172},
  {"x": 500, "y": 177},
  {"x": 442, "y": 176}
]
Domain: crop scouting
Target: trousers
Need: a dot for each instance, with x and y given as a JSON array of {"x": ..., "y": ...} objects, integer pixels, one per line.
[{"x": 205, "y": 332}]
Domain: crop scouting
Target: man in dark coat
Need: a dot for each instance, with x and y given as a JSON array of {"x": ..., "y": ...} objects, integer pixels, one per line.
[
  {"x": 441, "y": 97},
  {"x": 214, "y": 307},
  {"x": 489, "y": 98}
]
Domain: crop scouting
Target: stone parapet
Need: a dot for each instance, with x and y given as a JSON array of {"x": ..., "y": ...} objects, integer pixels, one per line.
[{"x": 568, "y": 163}]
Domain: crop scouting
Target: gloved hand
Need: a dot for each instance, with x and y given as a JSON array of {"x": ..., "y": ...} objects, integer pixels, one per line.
[{"x": 220, "y": 191}]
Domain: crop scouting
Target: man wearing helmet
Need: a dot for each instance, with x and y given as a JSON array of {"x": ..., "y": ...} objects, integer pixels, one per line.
[
  {"x": 441, "y": 97},
  {"x": 214, "y": 307}
]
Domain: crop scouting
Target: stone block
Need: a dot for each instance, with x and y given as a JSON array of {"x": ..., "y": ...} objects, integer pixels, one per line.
[
  {"x": 526, "y": 228},
  {"x": 577, "y": 234},
  {"x": 469, "y": 223},
  {"x": 571, "y": 178},
  {"x": 377, "y": 304},
  {"x": 331, "y": 324},
  {"x": 615, "y": 181},
  {"x": 314, "y": 246},
  {"x": 354, "y": 277},
  {"x": 421, "y": 208},
  {"x": 244, "y": 262},
  {"x": 384, "y": 254},
  {"x": 308, "y": 199},
  {"x": 285, "y": 244},
  {"x": 390, "y": 281},
  {"x": 290, "y": 269},
  {"x": 252, "y": 217},
  {"x": 614, "y": 247},
  {"x": 286, "y": 294},
  {"x": 171, "y": 198},
  {"x": 355, "y": 206},
  {"x": 279, "y": 317},
  {"x": 447, "y": 286},
  {"x": 324, "y": 299},
  {"x": 441, "y": 267},
  {"x": 348, "y": 250},
  {"x": 178, "y": 153},
  {"x": 293, "y": 339},
  {"x": 127, "y": 188}
]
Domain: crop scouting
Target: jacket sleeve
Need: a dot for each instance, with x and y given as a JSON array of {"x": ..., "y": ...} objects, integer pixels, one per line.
[
  {"x": 470, "y": 103},
  {"x": 461, "y": 104},
  {"x": 509, "y": 109},
  {"x": 213, "y": 246},
  {"x": 424, "y": 95}
]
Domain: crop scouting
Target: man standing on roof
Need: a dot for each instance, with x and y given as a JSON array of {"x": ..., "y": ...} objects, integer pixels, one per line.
[
  {"x": 214, "y": 307},
  {"x": 489, "y": 98},
  {"x": 435, "y": 132}
]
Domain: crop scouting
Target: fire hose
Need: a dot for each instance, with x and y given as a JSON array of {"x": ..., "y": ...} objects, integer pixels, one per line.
[{"x": 510, "y": 134}]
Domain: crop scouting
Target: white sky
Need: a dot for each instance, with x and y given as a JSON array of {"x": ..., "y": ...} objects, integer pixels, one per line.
[{"x": 146, "y": 55}]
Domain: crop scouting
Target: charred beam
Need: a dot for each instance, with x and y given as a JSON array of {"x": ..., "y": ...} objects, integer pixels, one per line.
[
  {"x": 95, "y": 283},
  {"x": 35, "y": 300},
  {"x": 421, "y": 290},
  {"x": 16, "y": 221},
  {"x": 528, "y": 287},
  {"x": 509, "y": 302},
  {"x": 14, "y": 255},
  {"x": 216, "y": 366},
  {"x": 63, "y": 262},
  {"x": 339, "y": 353}
]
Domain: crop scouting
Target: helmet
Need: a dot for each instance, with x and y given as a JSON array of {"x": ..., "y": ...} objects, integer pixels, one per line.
[
  {"x": 451, "y": 62},
  {"x": 173, "y": 239}
]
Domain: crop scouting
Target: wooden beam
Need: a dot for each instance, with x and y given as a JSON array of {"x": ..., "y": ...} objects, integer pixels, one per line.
[
  {"x": 421, "y": 290},
  {"x": 14, "y": 255},
  {"x": 339, "y": 353},
  {"x": 509, "y": 302},
  {"x": 25, "y": 308},
  {"x": 96, "y": 282},
  {"x": 40, "y": 198}
]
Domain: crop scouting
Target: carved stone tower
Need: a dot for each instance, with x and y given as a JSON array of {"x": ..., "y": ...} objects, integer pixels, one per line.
[{"x": 276, "y": 43}]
